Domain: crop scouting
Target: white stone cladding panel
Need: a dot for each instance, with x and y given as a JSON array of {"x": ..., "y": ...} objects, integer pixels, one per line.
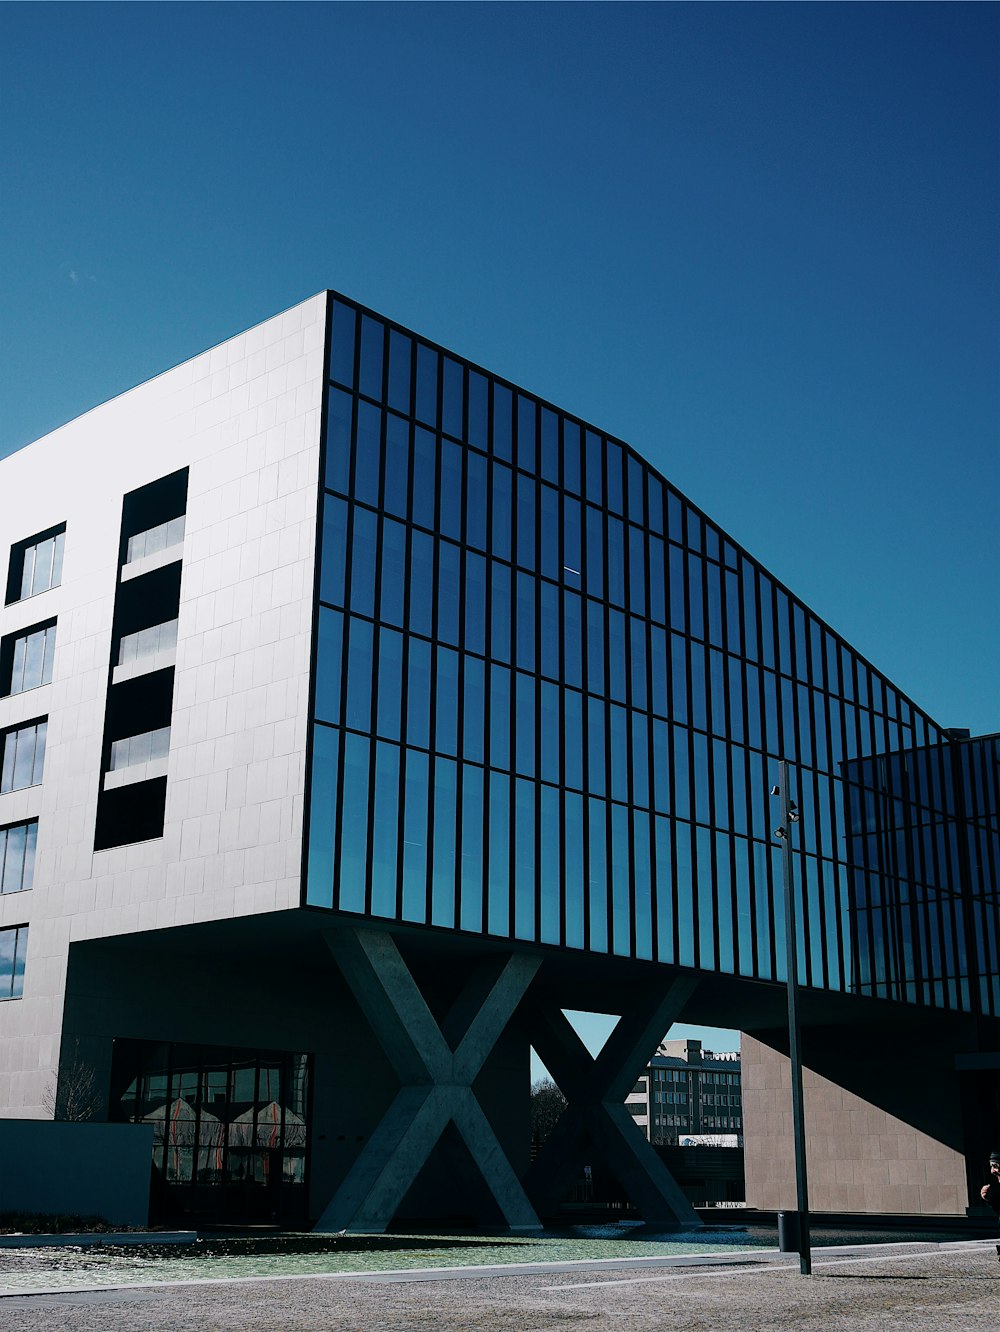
[{"x": 245, "y": 418}]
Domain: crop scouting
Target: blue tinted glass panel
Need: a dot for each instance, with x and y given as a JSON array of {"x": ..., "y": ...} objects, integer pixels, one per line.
[
  {"x": 597, "y": 888},
  {"x": 679, "y": 676},
  {"x": 661, "y": 767},
  {"x": 678, "y": 614},
  {"x": 549, "y": 631},
  {"x": 550, "y": 732},
  {"x": 354, "y": 826},
  {"x": 525, "y": 622},
  {"x": 450, "y": 523},
  {"x": 575, "y": 896},
  {"x": 475, "y": 603},
  {"x": 329, "y": 661},
  {"x": 595, "y": 552},
  {"x": 572, "y": 568},
  {"x": 638, "y": 657},
  {"x": 421, "y": 582},
  {"x": 595, "y": 647},
  {"x": 473, "y": 709},
  {"x": 524, "y": 860},
  {"x": 471, "y": 874},
  {"x": 475, "y": 500},
  {"x": 527, "y": 527},
  {"x": 636, "y": 499},
  {"x": 390, "y": 683},
  {"x": 658, "y": 670},
  {"x": 338, "y": 440},
  {"x": 449, "y": 584},
  {"x": 619, "y": 753},
  {"x": 642, "y": 886},
  {"x": 385, "y": 830},
  {"x": 549, "y": 523},
  {"x": 364, "y": 549},
  {"x": 550, "y": 866},
  {"x": 684, "y": 881},
  {"x": 342, "y": 344},
  {"x": 665, "y": 949},
  {"x": 571, "y": 456},
  {"x": 498, "y": 904},
  {"x": 682, "y": 778},
  {"x": 372, "y": 338},
  {"x": 621, "y": 879},
  {"x": 655, "y": 487},
  {"x": 640, "y": 760},
  {"x": 696, "y": 614},
  {"x": 594, "y": 458},
  {"x": 397, "y": 466},
  {"x": 322, "y": 816},
  {"x": 334, "y": 560},
  {"x": 446, "y": 720},
  {"x": 499, "y": 717},
  {"x": 417, "y": 789},
  {"x": 400, "y": 353},
  {"x": 427, "y": 378},
  {"x": 637, "y": 571},
  {"x": 451, "y": 402},
  {"x": 359, "y": 674},
  {"x": 368, "y": 454},
  {"x": 616, "y": 655},
  {"x": 502, "y": 510},
  {"x": 418, "y": 694},
  {"x": 616, "y": 561},
  {"x": 478, "y": 410},
  {"x": 613, "y": 456},
  {"x": 424, "y": 477},
  {"x": 526, "y": 451},
  {"x": 445, "y": 806},
  {"x": 573, "y": 732},
  {"x": 393, "y": 572},
  {"x": 525, "y": 730},
  {"x": 572, "y": 639},
  {"x": 502, "y": 416},
  {"x": 595, "y": 746},
  {"x": 500, "y": 611},
  {"x": 550, "y": 446}
]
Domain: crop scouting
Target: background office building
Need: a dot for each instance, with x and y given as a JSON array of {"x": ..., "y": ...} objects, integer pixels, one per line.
[
  {"x": 362, "y": 712},
  {"x": 688, "y": 1096}
]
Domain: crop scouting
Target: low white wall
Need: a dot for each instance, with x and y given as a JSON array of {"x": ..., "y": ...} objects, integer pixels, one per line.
[{"x": 79, "y": 1169}]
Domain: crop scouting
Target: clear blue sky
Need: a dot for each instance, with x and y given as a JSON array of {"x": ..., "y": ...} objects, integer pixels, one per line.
[{"x": 759, "y": 242}]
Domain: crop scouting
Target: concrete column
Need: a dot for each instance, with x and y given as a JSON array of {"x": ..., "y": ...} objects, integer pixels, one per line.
[
  {"x": 437, "y": 1065},
  {"x": 595, "y": 1116}
]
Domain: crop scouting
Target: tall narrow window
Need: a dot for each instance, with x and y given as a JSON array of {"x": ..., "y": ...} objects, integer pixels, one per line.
[
  {"x": 13, "y": 947},
  {"x": 17, "y": 856}
]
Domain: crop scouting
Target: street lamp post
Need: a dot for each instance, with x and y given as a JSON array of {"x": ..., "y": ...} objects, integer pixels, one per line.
[{"x": 789, "y": 817}]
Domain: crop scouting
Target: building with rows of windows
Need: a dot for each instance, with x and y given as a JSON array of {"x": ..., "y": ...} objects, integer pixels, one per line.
[
  {"x": 687, "y": 1095},
  {"x": 360, "y": 713}
]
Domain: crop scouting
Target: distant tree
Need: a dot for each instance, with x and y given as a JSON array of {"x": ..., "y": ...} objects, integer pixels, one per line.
[
  {"x": 547, "y": 1104},
  {"x": 73, "y": 1097}
]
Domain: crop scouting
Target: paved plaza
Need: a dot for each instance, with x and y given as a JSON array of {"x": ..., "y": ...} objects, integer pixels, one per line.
[{"x": 948, "y": 1287}]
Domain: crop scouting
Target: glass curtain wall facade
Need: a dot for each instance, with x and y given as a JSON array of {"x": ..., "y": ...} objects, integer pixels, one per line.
[
  {"x": 550, "y": 694},
  {"x": 925, "y": 852}
]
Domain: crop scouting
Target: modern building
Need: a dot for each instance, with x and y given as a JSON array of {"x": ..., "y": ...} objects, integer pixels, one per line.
[
  {"x": 688, "y": 1096},
  {"x": 361, "y": 713}
]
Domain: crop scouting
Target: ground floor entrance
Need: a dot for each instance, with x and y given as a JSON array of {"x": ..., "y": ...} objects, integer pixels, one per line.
[{"x": 230, "y": 1128}]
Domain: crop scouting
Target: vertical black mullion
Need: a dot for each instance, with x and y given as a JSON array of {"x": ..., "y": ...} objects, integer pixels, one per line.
[
  {"x": 561, "y": 592},
  {"x": 539, "y": 580}
]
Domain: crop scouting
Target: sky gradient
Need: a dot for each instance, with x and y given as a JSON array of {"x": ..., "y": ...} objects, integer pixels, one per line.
[{"x": 757, "y": 242}]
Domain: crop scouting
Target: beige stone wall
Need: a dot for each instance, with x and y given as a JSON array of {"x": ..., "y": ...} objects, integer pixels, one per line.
[{"x": 860, "y": 1158}]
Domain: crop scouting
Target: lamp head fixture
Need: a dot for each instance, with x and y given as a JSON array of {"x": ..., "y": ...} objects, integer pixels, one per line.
[
  {"x": 780, "y": 832},
  {"x": 776, "y": 790}
]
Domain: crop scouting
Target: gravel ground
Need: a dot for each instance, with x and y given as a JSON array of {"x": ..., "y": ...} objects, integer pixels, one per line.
[{"x": 908, "y": 1287}]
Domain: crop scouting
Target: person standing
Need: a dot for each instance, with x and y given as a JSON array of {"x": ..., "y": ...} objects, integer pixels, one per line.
[{"x": 990, "y": 1193}]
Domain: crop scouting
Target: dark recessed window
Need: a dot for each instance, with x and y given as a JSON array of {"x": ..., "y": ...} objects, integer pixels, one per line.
[{"x": 35, "y": 564}]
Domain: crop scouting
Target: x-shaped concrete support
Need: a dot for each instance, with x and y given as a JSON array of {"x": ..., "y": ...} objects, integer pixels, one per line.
[
  {"x": 437, "y": 1066},
  {"x": 595, "y": 1117}
]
